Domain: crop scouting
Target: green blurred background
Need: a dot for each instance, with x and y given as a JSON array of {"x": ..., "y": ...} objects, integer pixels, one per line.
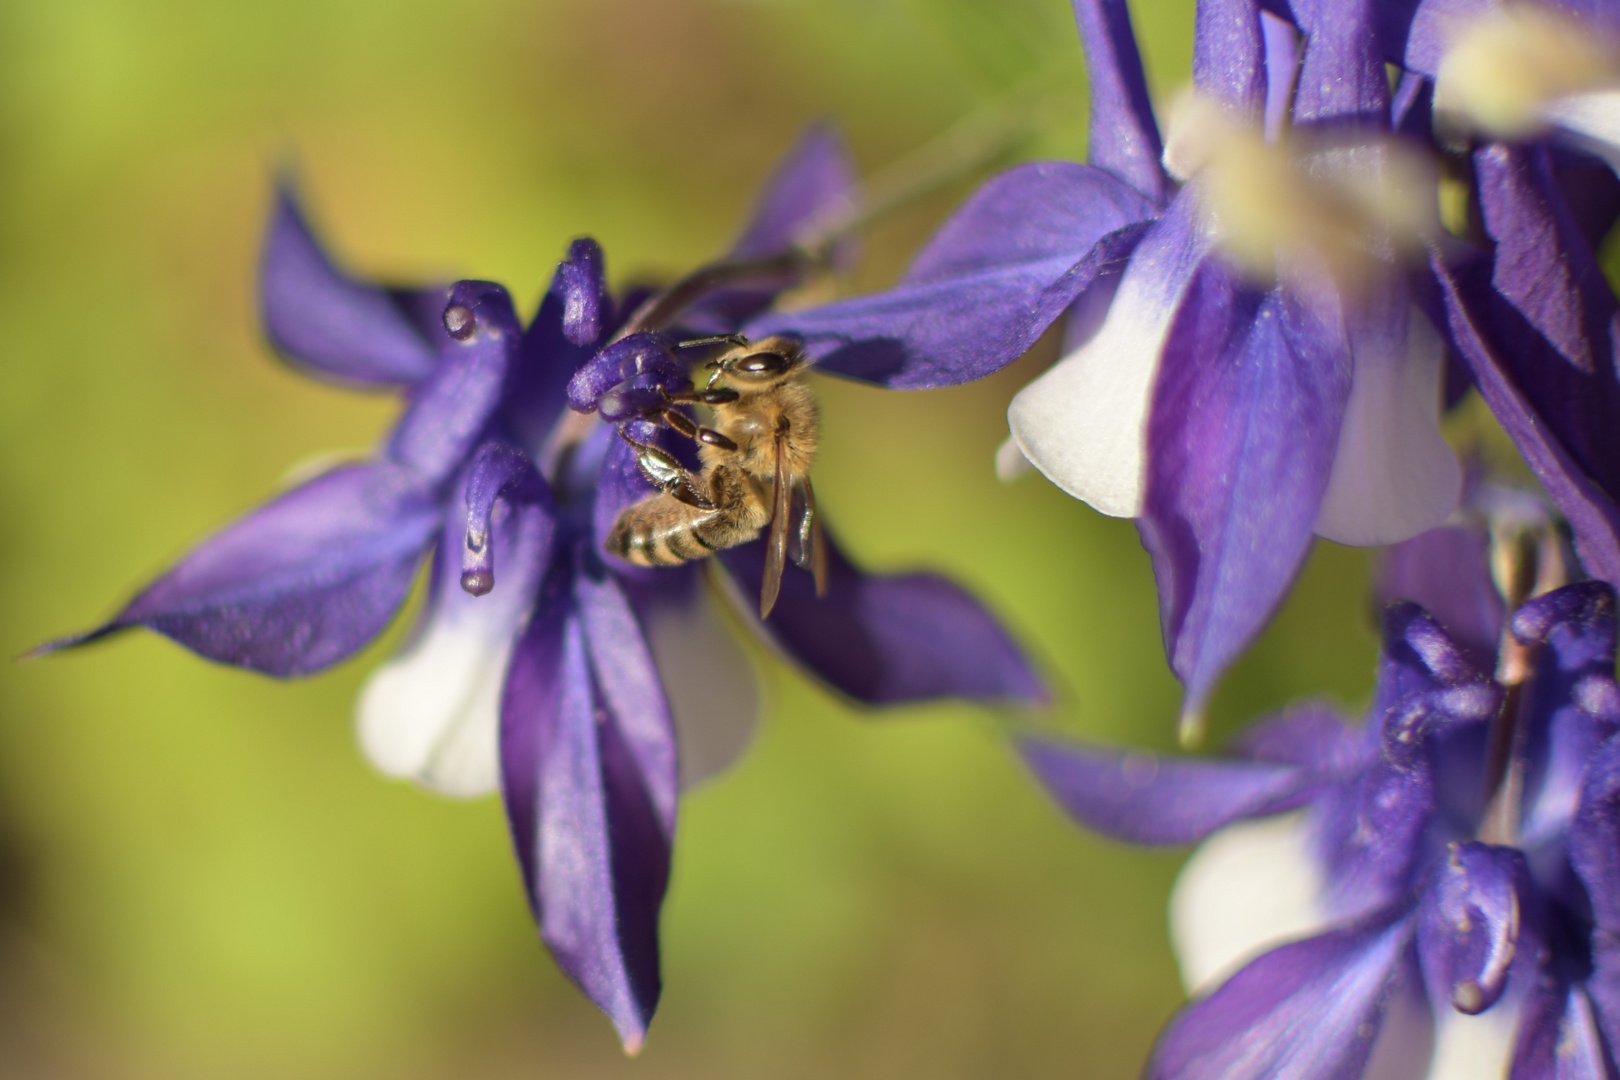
[{"x": 200, "y": 876}]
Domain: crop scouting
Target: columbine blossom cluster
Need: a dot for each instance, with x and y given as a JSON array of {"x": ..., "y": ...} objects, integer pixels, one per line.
[
  {"x": 1264, "y": 313},
  {"x": 1361, "y": 210},
  {"x": 1430, "y": 893},
  {"x": 589, "y": 692}
]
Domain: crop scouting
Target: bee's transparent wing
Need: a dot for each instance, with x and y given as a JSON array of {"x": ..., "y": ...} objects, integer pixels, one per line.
[
  {"x": 776, "y": 541},
  {"x": 811, "y": 551}
]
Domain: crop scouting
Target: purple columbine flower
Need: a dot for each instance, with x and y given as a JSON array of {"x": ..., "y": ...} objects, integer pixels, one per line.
[
  {"x": 1247, "y": 363},
  {"x": 590, "y": 692},
  {"x": 1523, "y": 95},
  {"x": 1427, "y": 895}
]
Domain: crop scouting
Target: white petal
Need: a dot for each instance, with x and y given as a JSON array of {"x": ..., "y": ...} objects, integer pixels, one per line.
[
  {"x": 711, "y": 685},
  {"x": 1084, "y": 422},
  {"x": 1593, "y": 119},
  {"x": 1010, "y": 461},
  {"x": 432, "y": 713},
  {"x": 1475, "y": 1047},
  {"x": 1248, "y": 888},
  {"x": 1393, "y": 476}
]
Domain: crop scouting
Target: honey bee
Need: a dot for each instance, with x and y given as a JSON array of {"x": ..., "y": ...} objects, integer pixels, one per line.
[{"x": 754, "y": 458}]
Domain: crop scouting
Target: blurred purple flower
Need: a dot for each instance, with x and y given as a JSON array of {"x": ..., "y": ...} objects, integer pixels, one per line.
[
  {"x": 1527, "y": 93},
  {"x": 1440, "y": 903},
  {"x": 539, "y": 664},
  {"x": 1234, "y": 414}
]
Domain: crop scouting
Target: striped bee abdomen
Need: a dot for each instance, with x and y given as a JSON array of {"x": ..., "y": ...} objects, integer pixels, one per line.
[{"x": 664, "y": 531}]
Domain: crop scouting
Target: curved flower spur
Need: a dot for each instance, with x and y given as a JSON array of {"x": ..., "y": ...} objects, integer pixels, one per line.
[
  {"x": 1248, "y": 363},
  {"x": 589, "y": 691},
  {"x": 1427, "y": 895}
]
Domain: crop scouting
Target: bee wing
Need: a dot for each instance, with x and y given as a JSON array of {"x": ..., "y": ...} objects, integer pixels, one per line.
[
  {"x": 776, "y": 542},
  {"x": 812, "y": 554}
]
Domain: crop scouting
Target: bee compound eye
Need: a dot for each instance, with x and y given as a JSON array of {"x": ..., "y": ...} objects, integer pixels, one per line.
[
  {"x": 762, "y": 363},
  {"x": 459, "y": 321}
]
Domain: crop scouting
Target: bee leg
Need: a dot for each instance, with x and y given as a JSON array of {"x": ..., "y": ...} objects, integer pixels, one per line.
[
  {"x": 685, "y": 425},
  {"x": 667, "y": 474},
  {"x": 722, "y": 396}
]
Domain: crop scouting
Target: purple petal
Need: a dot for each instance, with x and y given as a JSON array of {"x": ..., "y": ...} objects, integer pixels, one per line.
[
  {"x": 330, "y": 323},
  {"x": 1573, "y": 701},
  {"x": 1594, "y": 841},
  {"x": 711, "y": 684},
  {"x": 639, "y": 356},
  {"x": 888, "y": 638},
  {"x": 999, "y": 272},
  {"x": 1342, "y": 76},
  {"x": 812, "y": 190},
  {"x": 449, "y": 410},
  {"x": 1305, "y": 1011},
  {"x": 1312, "y": 736},
  {"x": 1447, "y": 570},
  {"x": 581, "y": 282},
  {"x": 1591, "y": 512},
  {"x": 1469, "y": 924},
  {"x": 1591, "y": 194},
  {"x": 1229, "y": 54},
  {"x": 1563, "y": 340},
  {"x": 1124, "y": 138},
  {"x": 1559, "y": 1037},
  {"x": 1411, "y": 106},
  {"x": 594, "y": 852},
  {"x": 1083, "y": 423},
  {"x": 1282, "y": 45},
  {"x": 298, "y": 584},
  {"x": 1241, "y": 438},
  {"x": 536, "y": 390},
  {"x": 1143, "y": 798},
  {"x": 812, "y": 186},
  {"x": 631, "y": 686},
  {"x": 1546, "y": 355}
]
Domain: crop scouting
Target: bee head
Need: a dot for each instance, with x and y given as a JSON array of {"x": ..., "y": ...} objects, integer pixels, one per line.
[{"x": 761, "y": 364}]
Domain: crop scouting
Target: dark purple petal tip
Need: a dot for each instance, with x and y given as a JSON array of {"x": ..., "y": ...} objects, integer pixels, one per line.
[
  {"x": 586, "y": 304},
  {"x": 299, "y": 584},
  {"x": 811, "y": 187},
  {"x": 885, "y": 639}
]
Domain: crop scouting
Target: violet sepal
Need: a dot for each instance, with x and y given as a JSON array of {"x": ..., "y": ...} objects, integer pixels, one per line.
[{"x": 331, "y": 324}]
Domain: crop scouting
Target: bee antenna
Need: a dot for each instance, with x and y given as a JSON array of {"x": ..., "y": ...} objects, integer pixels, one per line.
[{"x": 713, "y": 339}]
